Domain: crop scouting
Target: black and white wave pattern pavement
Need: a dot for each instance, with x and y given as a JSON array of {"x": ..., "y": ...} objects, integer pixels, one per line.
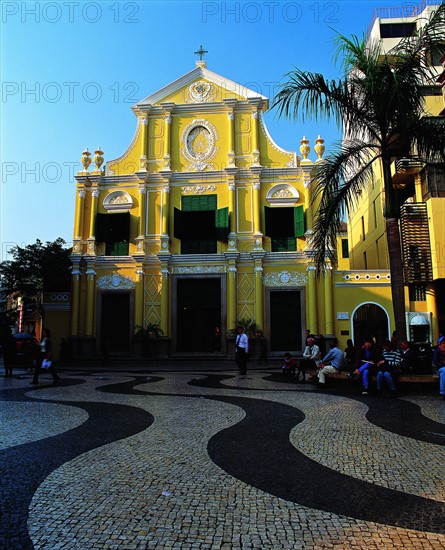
[{"x": 216, "y": 461}]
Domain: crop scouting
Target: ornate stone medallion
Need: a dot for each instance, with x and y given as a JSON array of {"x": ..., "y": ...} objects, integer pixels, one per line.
[
  {"x": 285, "y": 278},
  {"x": 199, "y": 144},
  {"x": 115, "y": 281},
  {"x": 200, "y": 92}
]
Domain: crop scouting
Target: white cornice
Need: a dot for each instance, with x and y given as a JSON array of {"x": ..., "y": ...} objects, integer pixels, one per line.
[
  {"x": 193, "y": 259},
  {"x": 273, "y": 257},
  {"x": 113, "y": 180},
  {"x": 200, "y": 177},
  {"x": 106, "y": 261},
  {"x": 191, "y": 76},
  {"x": 272, "y": 173}
]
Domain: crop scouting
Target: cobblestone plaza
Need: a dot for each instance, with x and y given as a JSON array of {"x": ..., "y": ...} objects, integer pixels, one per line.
[{"x": 173, "y": 457}]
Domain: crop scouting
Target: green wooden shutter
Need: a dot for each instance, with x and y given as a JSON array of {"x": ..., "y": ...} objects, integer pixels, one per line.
[
  {"x": 222, "y": 224},
  {"x": 267, "y": 220},
  {"x": 199, "y": 204},
  {"x": 299, "y": 221},
  {"x": 283, "y": 244},
  {"x": 102, "y": 227},
  {"x": 118, "y": 249},
  {"x": 178, "y": 225}
]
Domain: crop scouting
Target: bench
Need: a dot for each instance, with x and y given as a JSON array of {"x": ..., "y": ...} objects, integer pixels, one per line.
[{"x": 410, "y": 378}]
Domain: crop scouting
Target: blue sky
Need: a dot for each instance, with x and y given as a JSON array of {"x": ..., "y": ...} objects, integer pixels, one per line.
[{"x": 71, "y": 70}]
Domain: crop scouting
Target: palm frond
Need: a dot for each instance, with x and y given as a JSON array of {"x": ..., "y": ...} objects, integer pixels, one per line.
[
  {"x": 307, "y": 94},
  {"x": 338, "y": 182},
  {"x": 355, "y": 55},
  {"x": 428, "y": 40},
  {"x": 429, "y": 139}
]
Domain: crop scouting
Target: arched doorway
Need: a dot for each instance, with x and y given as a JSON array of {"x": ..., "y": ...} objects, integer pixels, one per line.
[{"x": 370, "y": 319}]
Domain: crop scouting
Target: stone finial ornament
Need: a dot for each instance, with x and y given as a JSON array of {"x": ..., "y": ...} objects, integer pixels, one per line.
[
  {"x": 304, "y": 148},
  {"x": 319, "y": 148},
  {"x": 85, "y": 159},
  {"x": 98, "y": 158}
]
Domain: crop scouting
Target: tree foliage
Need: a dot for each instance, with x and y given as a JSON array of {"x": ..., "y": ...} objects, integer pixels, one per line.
[{"x": 37, "y": 268}]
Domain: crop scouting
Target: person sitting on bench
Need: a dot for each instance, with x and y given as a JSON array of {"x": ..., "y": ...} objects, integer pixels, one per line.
[
  {"x": 310, "y": 360},
  {"x": 388, "y": 367},
  {"x": 330, "y": 364}
]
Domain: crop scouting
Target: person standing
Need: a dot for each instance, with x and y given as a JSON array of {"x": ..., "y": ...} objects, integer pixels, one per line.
[
  {"x": 44, "y": 358},
  {"x": 241, "y": 349},
  {"x": 439, "y": 365},
  {"x": 330, "y": 364}
]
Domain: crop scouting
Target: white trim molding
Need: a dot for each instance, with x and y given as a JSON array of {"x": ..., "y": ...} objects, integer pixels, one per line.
[
  {"x": 285, "y": 278},
  {"x": 198, "y": 269},
  {"x": 118, "y": 201},
  {"x": 283, "y": 194},
  {"x": 115, "y": 282}
]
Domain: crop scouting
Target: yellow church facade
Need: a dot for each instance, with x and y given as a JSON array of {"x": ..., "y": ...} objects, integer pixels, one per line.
[{"x": 205, "y": 222}]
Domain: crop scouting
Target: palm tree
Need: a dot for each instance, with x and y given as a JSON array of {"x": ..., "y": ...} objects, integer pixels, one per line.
[{"x": 380, "y": 103}]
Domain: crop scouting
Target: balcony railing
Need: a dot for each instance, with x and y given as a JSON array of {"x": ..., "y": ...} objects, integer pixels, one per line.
[
  {"x": 416, "y": 248},
  {"x": 403, "y": 169}
]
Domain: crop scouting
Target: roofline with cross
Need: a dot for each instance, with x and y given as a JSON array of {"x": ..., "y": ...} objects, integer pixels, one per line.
[{"x": 200, "y": 71}]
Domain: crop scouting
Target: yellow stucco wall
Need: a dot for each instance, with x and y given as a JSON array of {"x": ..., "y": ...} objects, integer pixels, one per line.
[{"x": 436, "y": 216}]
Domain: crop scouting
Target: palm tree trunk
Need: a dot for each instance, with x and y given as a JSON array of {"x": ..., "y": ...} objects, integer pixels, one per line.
[
  {"x": 394, "y": 252},
  {"x": 397, "y": 282}
]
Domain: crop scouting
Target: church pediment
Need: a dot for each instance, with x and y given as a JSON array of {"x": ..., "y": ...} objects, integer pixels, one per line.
[{"x": 199, "y": 86}]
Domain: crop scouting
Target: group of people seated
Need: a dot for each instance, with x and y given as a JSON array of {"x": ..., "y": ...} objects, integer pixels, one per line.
[{"x": 364, "y": 363}]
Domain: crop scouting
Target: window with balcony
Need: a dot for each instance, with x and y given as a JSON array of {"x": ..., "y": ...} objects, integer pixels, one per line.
[
  {"x": 114, "y": 231},
  {"x": 283, "y": 225},
  {"x": 199, "y": 224}
]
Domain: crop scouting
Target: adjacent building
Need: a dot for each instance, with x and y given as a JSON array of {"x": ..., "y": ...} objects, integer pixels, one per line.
[{"x": 423, "y": 212}]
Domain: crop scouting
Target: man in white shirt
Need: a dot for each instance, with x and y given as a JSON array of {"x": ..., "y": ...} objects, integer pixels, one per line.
[
  {"x": 242, "y": 349},
  {"x": 310, "y": 360}
]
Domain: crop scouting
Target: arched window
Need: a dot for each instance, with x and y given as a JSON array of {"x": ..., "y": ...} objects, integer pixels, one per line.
[{"x": 370, "y": 319}]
